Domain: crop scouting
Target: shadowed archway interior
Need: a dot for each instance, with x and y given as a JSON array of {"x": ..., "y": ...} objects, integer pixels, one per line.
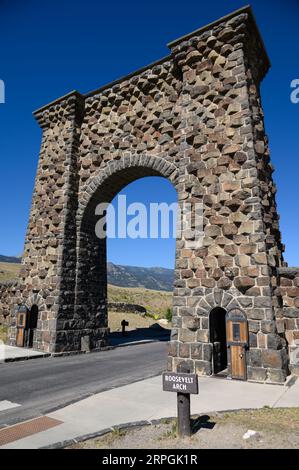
[
  {"x": 32, "y": 324},
  {"x": 218, "y": 339}
]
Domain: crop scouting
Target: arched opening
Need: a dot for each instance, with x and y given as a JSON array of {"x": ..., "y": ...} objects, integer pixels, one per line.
[
  {"x": 90, "y": 329},
  {"x": 32, "y": 325},
  {"x": 218, "y": 339},
  {"x": 140, "y": 260}
]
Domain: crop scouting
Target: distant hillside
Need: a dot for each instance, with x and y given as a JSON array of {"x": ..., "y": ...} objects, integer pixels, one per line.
[
  {"x": 10, "y": 259},
  {"x": 9, "y": 271},
  {"x": 155, "y": 302},
  {"x": 122, "y": 276},
  {"x": 136, "y": 276}
]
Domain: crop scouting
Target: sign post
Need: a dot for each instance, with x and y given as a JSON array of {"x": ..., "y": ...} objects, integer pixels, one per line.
[
  {"x": 184, "y": 421},
  {"x": 184, "y": 384},
  {"x": 124, "y": 323}
]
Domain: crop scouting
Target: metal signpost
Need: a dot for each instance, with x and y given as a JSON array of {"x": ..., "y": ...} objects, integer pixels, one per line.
[
  {"x": 124, "y": 323},
  {"x": 184, "y": 384}
]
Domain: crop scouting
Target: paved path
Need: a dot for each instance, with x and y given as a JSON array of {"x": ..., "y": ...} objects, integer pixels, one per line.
[
  {"x": 144, "y": 400},
  {"x": 43, "y": 385},
  {"x": 9, "y": 353}
]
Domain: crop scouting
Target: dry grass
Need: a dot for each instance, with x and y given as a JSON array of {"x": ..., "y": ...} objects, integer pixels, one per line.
[
  {"x": 9, "y": 271},
  {"x": 278, "y": 419},
  {"x": 135, "y": 321},
  {"x": 156, "y": 302}
]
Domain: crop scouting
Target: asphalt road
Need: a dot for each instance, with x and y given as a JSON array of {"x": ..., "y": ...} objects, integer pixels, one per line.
[{"x": 43, "y": 385}]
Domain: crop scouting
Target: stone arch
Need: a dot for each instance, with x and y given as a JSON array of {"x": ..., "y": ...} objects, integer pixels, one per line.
[
  {"x": 236, "y": 313},
  {"x": 34, "y": 302},
  {"x": 91, "y": 272},
  {"x": 35, "y": 298},
  {"x": 119, "y": 173},
  {"x": 218, "y": 298}
]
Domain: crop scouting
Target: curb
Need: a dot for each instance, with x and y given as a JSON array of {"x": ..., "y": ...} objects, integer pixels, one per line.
[
  {"x": 24, "y": 358},
  {"x": 131, "y": 425},
  {"x": 86, "y": 437}
]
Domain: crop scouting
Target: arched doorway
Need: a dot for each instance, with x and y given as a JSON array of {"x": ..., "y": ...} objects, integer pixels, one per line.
[
  {"x": 91, "y": 273},
  {"x": 141, "y": 255},
  {"x": 218, "y": 339},
  {"x": 32, "y": 325}
]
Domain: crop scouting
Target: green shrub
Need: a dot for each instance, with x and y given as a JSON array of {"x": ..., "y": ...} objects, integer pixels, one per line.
[
  {"x": 168, "y": 315},
  {"x": 3, "y": 333}
]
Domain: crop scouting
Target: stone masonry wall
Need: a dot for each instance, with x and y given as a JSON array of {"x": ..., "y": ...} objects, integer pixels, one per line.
[
  {"x": 288, "y": 315},
  {"x": 242, "y": 241},
  {"x": 9, "y": 297},
  {"x": 124, "y": 307}
]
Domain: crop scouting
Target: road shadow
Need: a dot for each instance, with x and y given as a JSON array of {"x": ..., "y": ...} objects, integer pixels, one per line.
[{"x": 140, "y": 334}]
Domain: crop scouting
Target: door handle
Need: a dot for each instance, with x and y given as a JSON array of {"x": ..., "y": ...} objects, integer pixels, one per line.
[{"x": 241, "y": 356}]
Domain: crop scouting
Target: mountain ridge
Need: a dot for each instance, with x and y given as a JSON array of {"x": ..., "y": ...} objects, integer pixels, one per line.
[
  {"x": 10, "y": 259},
  {"x": 154, "y": 278}
]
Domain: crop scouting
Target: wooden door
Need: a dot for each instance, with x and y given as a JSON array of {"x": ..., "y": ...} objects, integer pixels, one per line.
[
  {"x": 20, "y": 337},
  {"x": 237, "y": 342},
  {"x": 237, "y": 332},
  {"x": 21, "y": 328},
  {"x": 238, "y": 362}
]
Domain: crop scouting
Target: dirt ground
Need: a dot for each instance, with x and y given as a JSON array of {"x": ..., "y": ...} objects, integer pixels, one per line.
[{"x": 276, "y": 429}]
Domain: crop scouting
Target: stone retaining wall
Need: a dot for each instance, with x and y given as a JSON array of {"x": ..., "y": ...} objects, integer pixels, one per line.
[
  {"x": 288, "y": 290},
  {"x": 128, "y": 308},
  {"x": 10, "y": 296}
]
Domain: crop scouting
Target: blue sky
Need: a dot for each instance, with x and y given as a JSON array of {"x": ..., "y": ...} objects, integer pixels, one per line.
[{"x": 52, "y": 47}]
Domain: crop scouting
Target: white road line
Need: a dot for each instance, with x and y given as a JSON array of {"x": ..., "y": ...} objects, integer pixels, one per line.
[{"x": 7, "y": 405}]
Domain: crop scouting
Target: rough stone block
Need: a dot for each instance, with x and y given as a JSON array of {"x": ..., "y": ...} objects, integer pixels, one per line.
[
  {"x": 203, "y": 336},
  {"x": 257, "y": 374},
  {"x": 184, "y": 350},
  {"x": 276, "y": 376},
  {"x": 203, "y": 368},
  {"x": 272, "y": 358},
  {"x": 196, "y": 351}
]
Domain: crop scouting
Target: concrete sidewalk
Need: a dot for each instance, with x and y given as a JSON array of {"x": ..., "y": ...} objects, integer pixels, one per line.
[
  {"x": 12, "y": 353},
  {"x": 146, "y": 401}
]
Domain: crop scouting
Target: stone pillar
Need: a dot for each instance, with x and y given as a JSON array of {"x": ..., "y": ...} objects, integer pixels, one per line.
[
  {"x": 49, "y": 262},
  {"x": 226, "y": 149}
]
